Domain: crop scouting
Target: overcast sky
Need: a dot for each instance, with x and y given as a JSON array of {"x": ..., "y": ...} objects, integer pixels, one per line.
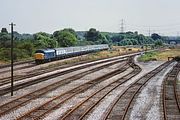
[{"x": 31, "y": 16}]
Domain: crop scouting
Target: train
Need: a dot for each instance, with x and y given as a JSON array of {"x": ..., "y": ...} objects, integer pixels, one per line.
[{"x": 46, "y": 55}]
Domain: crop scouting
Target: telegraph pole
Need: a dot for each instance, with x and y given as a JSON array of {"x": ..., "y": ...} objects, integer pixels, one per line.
[
  {"x": 12, "y": 60},
  {"x": 149, "y": 32},
  {"x": 122, "y": 26}
]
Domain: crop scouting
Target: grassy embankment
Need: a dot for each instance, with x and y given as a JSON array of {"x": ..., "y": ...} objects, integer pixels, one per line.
[
  {"x": 160, "y": 55},
  {"x": 116, "y": 51}
]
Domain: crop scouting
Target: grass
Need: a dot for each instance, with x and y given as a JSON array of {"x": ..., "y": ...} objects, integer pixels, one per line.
[
  {"x": 168, "y": 53},
  {"x": 148, "y": 56},
  {"x": 160, "y": 55}
]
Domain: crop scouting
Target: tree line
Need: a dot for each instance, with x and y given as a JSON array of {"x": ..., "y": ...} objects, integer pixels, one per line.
[{"x": 26, "y": 44}]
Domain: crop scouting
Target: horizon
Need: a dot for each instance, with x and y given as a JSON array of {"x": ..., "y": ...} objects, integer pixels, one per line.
[{"x": 143, "y": 16}]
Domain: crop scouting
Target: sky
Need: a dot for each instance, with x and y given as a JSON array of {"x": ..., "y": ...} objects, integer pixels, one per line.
[{"x": 144, "y": 16}]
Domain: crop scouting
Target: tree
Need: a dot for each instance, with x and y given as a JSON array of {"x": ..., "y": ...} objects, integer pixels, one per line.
[
  {"x": 92, "y": 35},
  {"x": 5, "y": 40},
  {"x": 158, "y": 43},
  {"x": 65, "y": 38},
  {"x": 96, "y": 37},
  {"x": 27, "y": 46},
  {"x": 117, "y": 38},
  {"x": 5, "y": 54},
  {"x": 4, "y": 30},
  {"x": 155, "y": 36},
  {"x": 44, "y": 40},
  {"x": 72, "y": 31},
  {"x": 102, "y": 39}
]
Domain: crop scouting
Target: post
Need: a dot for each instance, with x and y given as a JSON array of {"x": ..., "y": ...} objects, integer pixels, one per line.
[{"x": 12, "y": 60}]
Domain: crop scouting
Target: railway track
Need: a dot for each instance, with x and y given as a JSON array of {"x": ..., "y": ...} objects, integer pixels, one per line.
[
  {"x": 15, "y": 104},
  {"x": 19, "y": 68},
  {"x": 41, "y": 111},
  {"x": 42, "y": 71},
  {"x": 123, "y": 102},
  {"x": 31, "y": 82},
  {"x": 83, "y": 108},
  {"x": 35, "y": 73},
  {"x": 33, "y": 63},
  {"x": 15, "y": 64},
  {"x": 171, "y": 103},
  {"x": 7, "y": 80}
]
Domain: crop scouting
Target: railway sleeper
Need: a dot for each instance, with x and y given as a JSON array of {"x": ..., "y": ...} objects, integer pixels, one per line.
[
  {"x": 115, "y": 117},
  {"x": 171, "y": 107},
  {"x": 170, "y": 101},
  {"x": 172, "y": 112},
  {"x": 150, "y": 75},
  {"x": 169, "y": 87},
  {"x": 170, "y": 81},
  {"x": 129, "y": 76},
  {"x": 170, "y": 93},
  {"x": 173, "y": 117},
  {"x": 170, "y": 98},
  {"x": 141, "y": 81},
  {"x": 34, "y": 115},
  {"x": 134, "y": 87},
  {"x": 127, "y": 96},
  {"x": 138, "y": 84}
]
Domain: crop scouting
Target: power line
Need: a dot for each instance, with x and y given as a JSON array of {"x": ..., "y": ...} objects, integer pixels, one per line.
[
  {"x": 165, "y": 25},
  {"x": 166, "y": 29}
]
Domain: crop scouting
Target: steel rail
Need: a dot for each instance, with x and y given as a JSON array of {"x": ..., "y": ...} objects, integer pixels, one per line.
[
  {"x": 19, "y": 77},
  {"x": 169, "y": 94},
  {"x": 7, "y": 107},
  {"x": 132, "y": 90},
  {"x": 28, "y": 83},
  {"x": 17, "y": 63},
  {"x": 69, "y": 94},
  {"x": 114, "y": 85}
]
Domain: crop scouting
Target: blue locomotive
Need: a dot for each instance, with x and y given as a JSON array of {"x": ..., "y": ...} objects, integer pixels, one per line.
[{"x": 45, "y": 55}]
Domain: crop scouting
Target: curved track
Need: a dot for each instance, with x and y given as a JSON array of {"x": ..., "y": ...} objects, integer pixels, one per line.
[
  {"x": 7, "y": 80},
  {"x": 123, "y": 102},
  {"x": 84, "y": 107},
  {"x": 58, "y": 100},
  {"x": 15, "y": 104},
  {"x": 31, "y": 82}
]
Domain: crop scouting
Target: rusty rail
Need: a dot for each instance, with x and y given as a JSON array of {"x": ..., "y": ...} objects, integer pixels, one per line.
[
  {"x": 123, "y": 101},
  {"x": 171, "y": 107}
]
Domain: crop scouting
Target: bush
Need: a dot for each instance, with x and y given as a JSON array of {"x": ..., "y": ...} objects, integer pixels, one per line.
[
  {"x": 148, "y": 56},
  {"x": 5, "y": 54}
]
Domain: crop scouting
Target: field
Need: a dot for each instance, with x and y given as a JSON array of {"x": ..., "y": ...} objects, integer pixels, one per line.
[{"x": 160, "y": 55}]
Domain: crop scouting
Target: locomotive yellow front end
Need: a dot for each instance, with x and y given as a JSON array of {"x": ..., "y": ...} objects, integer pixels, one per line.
[{"x": 39, "y": 57}]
